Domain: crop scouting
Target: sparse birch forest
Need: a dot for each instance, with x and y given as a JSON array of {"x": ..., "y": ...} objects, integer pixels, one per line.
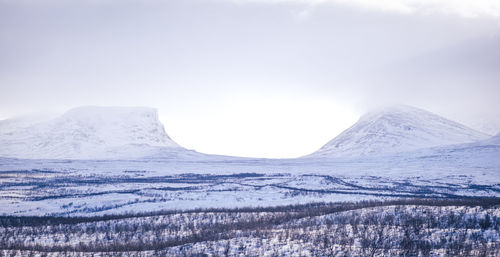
[{"x": 407, "y": 227}]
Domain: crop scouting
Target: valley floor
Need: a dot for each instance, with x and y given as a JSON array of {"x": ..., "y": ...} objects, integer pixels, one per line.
[
  {"x": 65, "y": 187},
  {"x": 61, "y": 194}
]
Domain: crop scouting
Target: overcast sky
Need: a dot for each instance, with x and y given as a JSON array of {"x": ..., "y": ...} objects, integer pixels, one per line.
[{"x": 276, "y": 78}]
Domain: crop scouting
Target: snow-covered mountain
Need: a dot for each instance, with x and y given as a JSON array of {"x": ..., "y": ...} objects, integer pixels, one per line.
[
  {"x": 396, "y": 129},
  {"x": 89, "y": 132},
  {"x": 136, "y": 132},
  {"x": 16, "y": 123}
]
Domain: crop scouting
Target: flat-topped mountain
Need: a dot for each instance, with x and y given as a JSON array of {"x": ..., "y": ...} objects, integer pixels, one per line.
[{"x": 88, "y": 132}]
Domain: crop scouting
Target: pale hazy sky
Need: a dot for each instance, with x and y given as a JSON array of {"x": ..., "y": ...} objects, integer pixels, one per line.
[{"x": 276, "y": 78}]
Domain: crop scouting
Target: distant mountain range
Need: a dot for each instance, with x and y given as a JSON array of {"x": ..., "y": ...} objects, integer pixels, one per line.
[{"x": 136, "y": 132}]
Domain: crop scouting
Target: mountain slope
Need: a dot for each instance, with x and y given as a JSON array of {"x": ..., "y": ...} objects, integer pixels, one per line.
[
  {"x": 494, "y": 140},
  {"x": 89, "y": 132},
  {"x": 397, "y": 129}
]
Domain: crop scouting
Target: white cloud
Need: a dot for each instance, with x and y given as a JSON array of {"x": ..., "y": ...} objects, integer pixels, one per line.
[{"x": 464, "y": 8}]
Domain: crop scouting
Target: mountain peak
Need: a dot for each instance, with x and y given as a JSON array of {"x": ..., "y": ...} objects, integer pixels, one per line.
[
  {"x": 397, "y": 128},
  {"x": 400, "y": 110}
]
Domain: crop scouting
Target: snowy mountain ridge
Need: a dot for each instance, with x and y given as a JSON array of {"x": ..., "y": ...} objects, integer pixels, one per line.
[
  {"x": 135, "y": 132},
  {"x": 394, "y": 129},
  {"x": 89, "y": 132}
]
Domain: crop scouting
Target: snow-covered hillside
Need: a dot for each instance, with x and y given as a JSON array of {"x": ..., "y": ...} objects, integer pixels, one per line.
[
  {"x": 24, "y": 121},
  {"x": 89, "y": 132},
  {"x": 395, "y": 129},
  {"x": 494, "y": 140}
]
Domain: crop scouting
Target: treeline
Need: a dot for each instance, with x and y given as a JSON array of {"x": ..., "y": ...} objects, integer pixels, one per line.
[
  {"x": 406, "y": 227},
  {"x": 310, "y": 209}
]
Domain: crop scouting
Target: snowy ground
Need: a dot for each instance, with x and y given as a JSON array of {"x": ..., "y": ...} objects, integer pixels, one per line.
[{"x": 90, "y": 187}]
